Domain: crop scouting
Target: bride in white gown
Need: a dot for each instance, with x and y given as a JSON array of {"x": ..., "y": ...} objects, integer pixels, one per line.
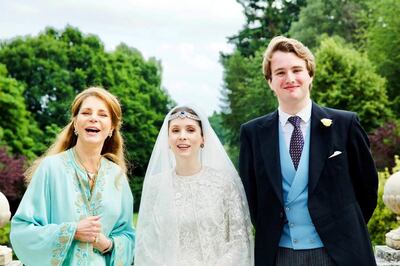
[{"x": 193, "y": 209}]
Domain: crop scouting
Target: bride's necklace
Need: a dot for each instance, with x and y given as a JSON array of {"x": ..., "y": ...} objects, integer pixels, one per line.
[{"x": 91, "y": 175}]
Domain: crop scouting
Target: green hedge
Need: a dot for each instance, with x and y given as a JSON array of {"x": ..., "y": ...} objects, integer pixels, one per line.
[{"x": 5, "y": 235}]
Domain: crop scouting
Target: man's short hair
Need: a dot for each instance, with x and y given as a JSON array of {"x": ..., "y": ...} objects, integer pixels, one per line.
[{"x": 287, "y": 45}]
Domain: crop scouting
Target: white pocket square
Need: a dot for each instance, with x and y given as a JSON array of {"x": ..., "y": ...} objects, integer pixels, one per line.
[{"x": 336, "y": 153}]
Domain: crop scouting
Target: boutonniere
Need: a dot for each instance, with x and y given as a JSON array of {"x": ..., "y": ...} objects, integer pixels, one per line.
[{"x": 326, "y": 122}]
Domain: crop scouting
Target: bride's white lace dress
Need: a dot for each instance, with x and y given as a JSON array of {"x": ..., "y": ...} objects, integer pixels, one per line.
[
  {"x": 211, "y": 224},
  {"x": 210, "y": 218}
]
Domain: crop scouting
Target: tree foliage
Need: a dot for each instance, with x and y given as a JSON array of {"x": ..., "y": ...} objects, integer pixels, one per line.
[
  {"x": 55, "y": 65},
  {"x": 5, "y": 235},
  {"x": 18, "y": 129},
  {"x": 381, "y": 40},
  {"x": 216, "y": 122},
  {"x": 137, "y": 84},
  {"x": 264, "y": 20},
  {"x": 346, "y": 79},
  {"x": 246, "y": 93},
  {"x": 51, "y": 68},
  {"x": 330, "y": 17}
]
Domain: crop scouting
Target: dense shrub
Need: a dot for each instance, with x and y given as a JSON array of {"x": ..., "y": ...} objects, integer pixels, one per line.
[
  {"x": 383, "y": 219},
  {"x": 11, "y": 177},
  {"x": 346, "y": 79},
  {"x": 385, "y": 143},
  {"x": 5, "y": 235}
]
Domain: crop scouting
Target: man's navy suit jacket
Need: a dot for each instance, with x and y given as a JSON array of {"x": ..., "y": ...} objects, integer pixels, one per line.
[{"x": 342, "y": 190}]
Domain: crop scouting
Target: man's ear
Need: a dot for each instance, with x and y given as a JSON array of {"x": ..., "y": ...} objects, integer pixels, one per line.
[
  {"x": 269, "y": 82},
  {"x": 312, "y": 78}
]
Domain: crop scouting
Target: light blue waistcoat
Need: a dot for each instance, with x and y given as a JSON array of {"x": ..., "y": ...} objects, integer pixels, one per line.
[{"x": 299, "y": 232}]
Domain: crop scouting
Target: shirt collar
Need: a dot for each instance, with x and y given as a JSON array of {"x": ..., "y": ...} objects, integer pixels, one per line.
[{"x": 304, "y": 114}]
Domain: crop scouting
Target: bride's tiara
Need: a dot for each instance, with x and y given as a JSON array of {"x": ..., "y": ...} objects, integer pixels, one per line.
[{"x": 182, "y": 115}]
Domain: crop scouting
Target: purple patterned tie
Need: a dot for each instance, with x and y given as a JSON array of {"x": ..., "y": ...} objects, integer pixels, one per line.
[{"x": 296, "y": 141}]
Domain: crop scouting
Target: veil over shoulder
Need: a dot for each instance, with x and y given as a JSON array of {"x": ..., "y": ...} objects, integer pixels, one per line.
[{"x": 158, "y": 232}]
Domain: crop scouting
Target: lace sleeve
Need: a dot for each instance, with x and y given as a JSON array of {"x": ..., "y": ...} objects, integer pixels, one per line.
[{"x": 237, "y": 251}]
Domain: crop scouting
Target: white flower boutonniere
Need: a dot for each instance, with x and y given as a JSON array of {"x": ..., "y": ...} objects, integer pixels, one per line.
[{"x": 326, "y": 122}]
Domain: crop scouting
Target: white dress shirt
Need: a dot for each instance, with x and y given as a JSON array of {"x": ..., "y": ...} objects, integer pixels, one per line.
[{"x": 287, "y": 127}]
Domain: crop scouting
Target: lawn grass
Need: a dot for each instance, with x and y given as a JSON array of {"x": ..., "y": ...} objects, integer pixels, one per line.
[{"x": 135, "y": 215}]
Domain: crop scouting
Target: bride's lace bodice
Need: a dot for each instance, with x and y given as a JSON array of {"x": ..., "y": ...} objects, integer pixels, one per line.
[{"x": 210, "y": 219}]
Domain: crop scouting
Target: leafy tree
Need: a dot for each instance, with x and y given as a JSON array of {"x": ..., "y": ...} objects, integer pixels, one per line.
[
  {"x": 216, "y": 122},
  {"x": 246, "y": 93},
  {"x": 145, "y": 104},
  {"x": 18, "y": 129},
  {"x": 264, "y": 20},
  {"x": 56, "y": 65},
  {"x": 331, "y": 17},
  {"x": 381, "y": 40},
  {"x": 346, "y": 79}
]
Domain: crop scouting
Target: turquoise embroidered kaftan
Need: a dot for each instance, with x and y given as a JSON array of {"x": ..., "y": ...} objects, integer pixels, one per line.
[{"x": 43, "y": 228}]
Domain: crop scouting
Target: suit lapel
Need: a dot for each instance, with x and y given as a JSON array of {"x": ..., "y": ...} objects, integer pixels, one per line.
[
  {"x": 268, "y": 137},
  {"x": 320, "y": 145}
]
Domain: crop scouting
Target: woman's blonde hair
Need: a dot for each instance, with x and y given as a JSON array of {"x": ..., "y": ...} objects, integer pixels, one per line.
[{"x": 113, "y": 148}]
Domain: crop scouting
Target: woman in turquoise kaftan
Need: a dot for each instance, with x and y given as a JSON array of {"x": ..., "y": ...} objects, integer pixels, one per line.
[
  {"x": 60, "y": 195},
  {"x": 44, "y": 226}
]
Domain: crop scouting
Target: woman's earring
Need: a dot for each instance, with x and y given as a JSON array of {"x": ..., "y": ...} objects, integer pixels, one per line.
[
  {"x": 110, "y": 134},
  {"x": 202, "y": 145},
  {"x": 75, "y": 132}
]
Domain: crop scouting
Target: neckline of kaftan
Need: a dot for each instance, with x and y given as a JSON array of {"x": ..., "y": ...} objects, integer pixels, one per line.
[{"x": 82, "y": 181}]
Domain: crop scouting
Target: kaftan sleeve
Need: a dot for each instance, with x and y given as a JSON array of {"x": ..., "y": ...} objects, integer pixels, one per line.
[
  {"x": 237, "y": 251},
  {"x": 123, "y": 234},
  {"x": 34, "y": 238}
]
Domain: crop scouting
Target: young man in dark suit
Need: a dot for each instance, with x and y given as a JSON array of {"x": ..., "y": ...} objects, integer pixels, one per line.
[{"x": 308, "y": 173}]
